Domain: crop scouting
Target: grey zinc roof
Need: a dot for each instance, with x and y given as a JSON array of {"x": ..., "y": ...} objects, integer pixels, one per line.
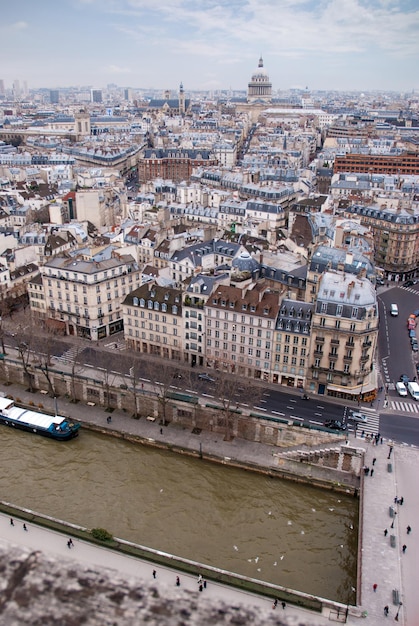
[{"x": 329, "y": 258}]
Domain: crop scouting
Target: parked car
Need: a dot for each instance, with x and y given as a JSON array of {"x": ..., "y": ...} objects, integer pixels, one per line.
[
  {"x": 409, "y": 283},
  {"x": 335, "y": 425},
  {"x": 417, "y": 368},
  {"x": 401, "y": 389},
  {"x": 415, "y": 346},
  {"x": 356, "y": 416},
  {"x": 206, "y": 377}
]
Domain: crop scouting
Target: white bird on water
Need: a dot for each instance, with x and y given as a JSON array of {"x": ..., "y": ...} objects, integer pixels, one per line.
[
  {"x": 275, "y": 564},
  {"x": 282, "y": 557},
  {"x": 256, "y": 559},
  {"x": 235, "y": 547}
]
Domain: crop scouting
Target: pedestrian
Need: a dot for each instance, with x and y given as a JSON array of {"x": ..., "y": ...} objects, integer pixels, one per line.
[
  {"x": 404, "y": 548},
  {"x": 381, "y": 440},
  {"x": 24, "y": 527},
  {"x": 396, "y": 500},
  {"x": 154, "y": 573},
  {"x": 390, "y": 450},
  {"x": 283, "y": 604},
  {"x": 177, "y": 581},
  {"x": 68, "y": 544},
  {"x": 385, "y": 532},
  {"x": 12, "y": 522},
  {"x": 401, "y": 500},
  {"x": 375, "y": 587},
  {"x": 386, "y": 610},
  {"x": 374, "y": 460},
  {"x": 392, "y": 524},
  {"x": 161, "y": 431},
  {"x": 275, "y": 603},
  {"x": 409, "y": 530},
  {"x": 372, "y": 472},
  {"x": 205, "y": 584},
  {"x": 201, "y": 587},
  {"x": 199, "y": 579},
  {"x": 109, "y": 419}
]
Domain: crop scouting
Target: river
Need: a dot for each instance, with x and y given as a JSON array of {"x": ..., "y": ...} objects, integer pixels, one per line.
[{"x": 285, "y": 533}]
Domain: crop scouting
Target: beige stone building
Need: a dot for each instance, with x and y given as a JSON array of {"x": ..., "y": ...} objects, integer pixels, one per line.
[
  {"x": 343, "y": 337},
  {"x": 396, "y": 237},
  {"x": 153, "y": 321},
  {"x": 240, "y": 327},
  {"x": 83, "y": 295}
]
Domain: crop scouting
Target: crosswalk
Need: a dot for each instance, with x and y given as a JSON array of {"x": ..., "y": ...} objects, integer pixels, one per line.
[
  {"x": 69, "y": 356},
  {"x": 372, "y": 426},
  {"x": 404, "y": 407}
]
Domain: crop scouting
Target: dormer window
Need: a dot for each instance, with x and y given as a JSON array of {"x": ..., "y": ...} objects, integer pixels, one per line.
[
  {"x": 252, "y": 308},
  {"x": 164, "y": 307},
  {"x": 142, "y": 302},
  {"x": 223, "y": 302},
  {"x": 150, "y": 304},
  {"x": 135, "y": 301},
  {"x": 266, "y": 311},
  {"x": 244, "y": 307},
  {"x": 156, "y": 306},
  {"x": 174, "y": 309}
]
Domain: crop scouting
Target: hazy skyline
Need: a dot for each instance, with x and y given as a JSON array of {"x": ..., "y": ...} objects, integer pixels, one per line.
[{"x": 211, "y": 44}]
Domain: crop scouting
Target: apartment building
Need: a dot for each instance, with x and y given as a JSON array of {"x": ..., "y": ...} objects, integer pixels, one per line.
[
  {"x": 174, "y": 163},
  {"x": 153, "y": 321},
  {"x": 291, "y": 346},
  {"x": 83, "y": 294},
  {"x": 395, "y": 233},
  {"x": 240, "y": 325},
  {"x": 344, "y": 335},
  {"x": 399, "y": 164}
]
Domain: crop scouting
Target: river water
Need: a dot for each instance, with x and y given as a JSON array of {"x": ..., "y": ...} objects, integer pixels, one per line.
[{"x": 275, "y": 530}]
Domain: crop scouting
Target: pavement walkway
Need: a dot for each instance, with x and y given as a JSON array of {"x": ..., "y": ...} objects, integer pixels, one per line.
[{"x": 380, "y": 563}]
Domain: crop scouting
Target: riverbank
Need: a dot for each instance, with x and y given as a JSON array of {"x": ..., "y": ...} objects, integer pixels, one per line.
[{"x": 379, "y": 561}]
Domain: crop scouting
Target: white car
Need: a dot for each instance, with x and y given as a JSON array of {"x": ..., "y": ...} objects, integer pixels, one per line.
[
  {"x": 401, "y": 389},
  {"x": 356, "y": 416}
]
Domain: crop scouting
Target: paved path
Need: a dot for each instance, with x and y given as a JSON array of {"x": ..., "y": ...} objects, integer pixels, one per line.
[{"x": 381, "y": 564}]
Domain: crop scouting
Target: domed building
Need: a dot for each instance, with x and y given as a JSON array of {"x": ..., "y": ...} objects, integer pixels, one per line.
[{"x": 259, "y": 88}]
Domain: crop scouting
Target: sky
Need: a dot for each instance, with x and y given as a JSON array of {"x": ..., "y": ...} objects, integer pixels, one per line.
[{"x": 360, "y": 45}]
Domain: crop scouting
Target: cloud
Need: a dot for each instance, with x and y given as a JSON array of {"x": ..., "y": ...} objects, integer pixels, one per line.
[
  {"x": 116, "y": 69},
  {"x": 19, "y": 25}
]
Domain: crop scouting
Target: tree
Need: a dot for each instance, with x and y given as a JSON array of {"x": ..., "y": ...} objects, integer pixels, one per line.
[
  {"x": 233, "y": 393},
  {"x": 162, "y": 376},
  {"x": 24, "y": 356}
]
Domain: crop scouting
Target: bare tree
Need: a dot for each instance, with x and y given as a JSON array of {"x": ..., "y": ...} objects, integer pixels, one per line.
[
  {"x": 24, "y": 356},
  {"x": 233, "y": 394},
  {"x": 162, "y": 376},
  {"x": 108, "y": 380},
  {"x": 75, "y": 364},
  {"x": 134, "y": 387}
]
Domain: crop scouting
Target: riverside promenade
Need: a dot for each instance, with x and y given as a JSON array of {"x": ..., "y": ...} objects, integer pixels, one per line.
[{"x": 382, "y": 561}]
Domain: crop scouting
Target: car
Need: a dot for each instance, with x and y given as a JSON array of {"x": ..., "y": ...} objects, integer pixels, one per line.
[
  {"x": 417, "y": 368},
  {"x": 206, "y": 377},
  {"x": 416, "y": 313},
  {"x": 409, "y": 283},
  {"x": 356, "y": 416},
  {"x": 335, "y": 425},
  {"x": 401, "y": 389},
  {"x": 415, "y": 346},
  {"x": 404, "y": 379}
]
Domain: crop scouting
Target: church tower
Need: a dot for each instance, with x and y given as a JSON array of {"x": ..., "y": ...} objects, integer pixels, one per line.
[
  {"x": 259, "y": 88},
  {"x": 181, "y": 100}
]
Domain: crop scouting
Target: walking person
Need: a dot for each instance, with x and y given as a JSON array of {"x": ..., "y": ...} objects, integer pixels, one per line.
[
  {"x": 408, "y": 530},
  {"x": 404, "y": 548},
  {"x": 177, "y": 581},
  {"x": 385, "y": 532},
  {"x": 201, "y": 587},
  {"x": 205, "y": 584},
  {"x": 372, "y": 472},
  {"x": 375, "y": 587},
  {"x": 401, "y": 500},
  {"x": 24, "y": 527},
  {"x": 374, "y": 460},
  {"x": 154, "y": 573},
  {"x": 386, "y": 610},
  {"x": 283, "y": 605},
  {"x": 390, "y": 450},
  {"x": 12, "y": 522},
  {"x": 275, "y": 603}
]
